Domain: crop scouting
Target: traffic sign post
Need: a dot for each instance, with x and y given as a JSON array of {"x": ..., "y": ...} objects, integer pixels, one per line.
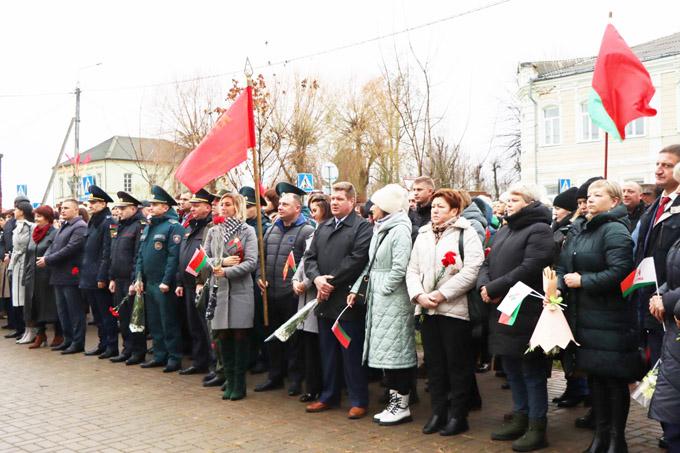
[
  {"x": 87, "y": 181},
  {"x": 329, "y": 173},
  {"x": 563, "y": 185},
  {"x": 305, "y": 181},
  {"x": 22, "y": 189}
]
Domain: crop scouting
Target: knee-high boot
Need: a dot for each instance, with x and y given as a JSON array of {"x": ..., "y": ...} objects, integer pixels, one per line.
[
  {"x": 602, "y": 413},
  {"x": 226, "y": 349},
  {"x": 620, "y": 405},
  {"x": 241, "y": 352}
]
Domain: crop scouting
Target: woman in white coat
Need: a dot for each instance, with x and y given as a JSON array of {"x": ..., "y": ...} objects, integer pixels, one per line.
[
  {"x": 23, "y": 213},
  {"x": 438, "y": 279}
]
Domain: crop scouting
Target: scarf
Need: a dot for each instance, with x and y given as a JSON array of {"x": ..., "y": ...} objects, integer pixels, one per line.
[
  {"x": 438, "y": 230},
  {"x": 39, "y": 233},
  {"x": 229, "y": 227}
]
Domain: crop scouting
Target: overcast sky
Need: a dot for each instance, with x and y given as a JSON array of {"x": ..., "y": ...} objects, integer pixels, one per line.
[{"x": 140, "y": 43}]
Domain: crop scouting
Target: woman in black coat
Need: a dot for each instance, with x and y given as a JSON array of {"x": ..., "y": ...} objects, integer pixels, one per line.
[
  {"x": 520, "y": 251},
  {"x": 592, "y": 266},
  {"x": 39, "y": 293}
]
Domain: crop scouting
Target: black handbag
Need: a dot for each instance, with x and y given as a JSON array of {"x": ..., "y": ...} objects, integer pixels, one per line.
[
  {"x": 478, "y": 311},
  {"x": 363, "y": 286}
]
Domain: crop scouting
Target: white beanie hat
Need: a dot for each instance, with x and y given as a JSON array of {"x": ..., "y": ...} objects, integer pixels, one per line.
[{"x": 391, "y": 198}]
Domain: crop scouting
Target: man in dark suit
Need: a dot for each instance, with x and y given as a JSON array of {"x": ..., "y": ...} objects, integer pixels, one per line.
[{"x": 335, "y": 259}]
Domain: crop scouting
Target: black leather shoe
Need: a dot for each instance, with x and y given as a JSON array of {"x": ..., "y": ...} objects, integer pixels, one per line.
[
  {"x": 96, "y": 351},
  {"x": 120, "y": 358},
  {"x": 15, "y": 334},
  {"x": 662, "y": 443},
  {"x": 587, "y": 421},
  {"x": 268, "y": 385},
  {"x": 171, "y": 367},
  {"x": 108, "y": 354},
  {"x": 62, "y": 347},
  {"x": 570, "y": 401},
  {"x": 295, "y": 389},
  {"x": 209, "y": 376},
  {"x": 505, "y": 386},
  {"x": 72, "y": 350},
  {"x": 193, "y": 370},
  {"x": 135, "y": 359},
  {"x": 455, "y": 426},
  {"x": 308, "y": 397},
  {"x": 434, "y": 424},
  {"x": 152, "y": 364},
  {"x": 217, "y": 381},
  {"x": 557, "y": 399},
  {"x": 482, "y": 368}
]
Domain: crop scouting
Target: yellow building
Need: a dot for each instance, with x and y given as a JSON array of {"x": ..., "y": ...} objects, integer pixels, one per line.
[{"x": 559, "y": 142}]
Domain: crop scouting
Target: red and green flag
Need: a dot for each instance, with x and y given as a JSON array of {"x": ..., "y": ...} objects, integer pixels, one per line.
[
  {"x": 644, "y": 275},
  {"x": 621, "y": 88},
  {"x": 340, "y": 334},
  {"x": 197, "y": 262},
  {"x": 290, "y": 264}
]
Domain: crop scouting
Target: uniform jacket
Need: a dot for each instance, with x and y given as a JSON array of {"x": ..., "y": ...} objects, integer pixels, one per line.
[
  {"x": 159, "y": 249},
  {"x": 520, "y": 251},
  {"x": 390, "y": 331},
  {"x": 65, "y": 254},
  {"x": 343, "y": 253},
  {"x": 278, "y": 243},
  {"x": 603, "y": 323},
  {"x": 194, "y": 236},
  {"x": 125, "y": 239},
  {"x": 419, "y": 216},
  {"x": 95, "y": 267}
]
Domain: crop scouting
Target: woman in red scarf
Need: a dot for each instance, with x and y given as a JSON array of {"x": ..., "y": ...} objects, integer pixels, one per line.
[{"x": 39, "y": 293}]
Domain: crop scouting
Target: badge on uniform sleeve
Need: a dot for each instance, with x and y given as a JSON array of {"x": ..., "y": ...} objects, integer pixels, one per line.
[
  {"x": 176, "y": 238},
  {"x": 158, "y": 245}
]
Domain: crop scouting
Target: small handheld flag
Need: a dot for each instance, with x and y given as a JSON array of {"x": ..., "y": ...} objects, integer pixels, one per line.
[
  {"x": 197, "y": 262},
  {"x": 644, "y": 275},
  {"x": 339, "y": 332},
  {"x": 290, "y": 264}
]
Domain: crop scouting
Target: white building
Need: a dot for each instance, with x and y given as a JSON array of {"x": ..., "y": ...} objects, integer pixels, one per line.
[
  {"x": 560, "y": 142},
  {"x": 131, "y": 164}
]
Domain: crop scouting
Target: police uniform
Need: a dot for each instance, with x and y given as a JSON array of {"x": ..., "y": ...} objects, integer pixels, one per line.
[
  {"x": 94, "y": 276},
  {"x": 157, "y": 263},
  {"x": 196, "y": 322},
  {"x": 125, "y": 237}
]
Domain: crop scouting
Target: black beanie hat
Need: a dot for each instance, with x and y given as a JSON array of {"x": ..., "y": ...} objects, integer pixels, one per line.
[
  {"x": 583, "y": 190},
  {"x": 567, "y": 200}
]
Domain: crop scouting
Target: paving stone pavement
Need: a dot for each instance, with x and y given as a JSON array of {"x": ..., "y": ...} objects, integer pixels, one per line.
[{"x": 55, "y": 403}]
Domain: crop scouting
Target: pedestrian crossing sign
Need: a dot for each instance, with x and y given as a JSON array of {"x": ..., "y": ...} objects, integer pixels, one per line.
[
  {"x": 87, "y": 182},
  {"x": 563, "y": 185},
  {"x": 305, "y": 181}
]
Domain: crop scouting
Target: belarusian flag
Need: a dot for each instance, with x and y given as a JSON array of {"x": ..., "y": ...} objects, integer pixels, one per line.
[
  {"x": 621, "y": 89},
  {"x": 290, "y": 263},
  {"x": 644, "y": 275},
  {"x": 197, "y": 262},
  {"x": 340, "y": 333}
]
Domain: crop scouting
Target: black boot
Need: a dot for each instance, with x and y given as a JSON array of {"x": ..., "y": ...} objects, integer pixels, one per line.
[
  {"x": 619, "y": 400},
  {"x": 602, "y": 416},
  {"x": 587, "y": 421},
  {"x": 241, "y": 353}
]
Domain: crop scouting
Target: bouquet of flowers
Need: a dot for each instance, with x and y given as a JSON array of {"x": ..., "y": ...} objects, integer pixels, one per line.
[
  {"x": 137, "y": 318},
  {"x": 552, "y": 332},
  {"x": 645, "y": 389},
  {"x": 448, "y": 260}
]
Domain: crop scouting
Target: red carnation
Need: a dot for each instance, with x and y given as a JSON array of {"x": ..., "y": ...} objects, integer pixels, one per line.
[
  {"x": 487, "y": 251},
  {"x": 75, "y": 271},
  {"x": 114, "y": 312},
  {"x": 449, "y": 259},
  {"x": 217, "y": 219}
]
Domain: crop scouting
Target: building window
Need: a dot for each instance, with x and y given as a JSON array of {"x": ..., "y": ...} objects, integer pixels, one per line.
[
  {"x": 589, "y": 130},
  {"x": 551, "y": 125},
  {"x": 127, "y": 182},
  {"x": 635, "y": 128}
]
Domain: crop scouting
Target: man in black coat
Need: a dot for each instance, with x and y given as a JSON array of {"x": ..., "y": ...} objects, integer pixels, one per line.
[
  {"x": 64, "y": 257},
  {"x": 335, "y": 259},
  {"x": 94, "y": 275},
  {"x": 422, "y": 190},
  {"x": 199, "y": 222},
  {"x": 284, "y": 242},
  {"x": 659, "y": 228},
  {"x": 125, "y": 236},
  {"x": 632, "y": 193}
]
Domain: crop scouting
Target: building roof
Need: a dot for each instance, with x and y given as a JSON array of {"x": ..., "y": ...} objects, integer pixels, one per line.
[
  {"x": 651, "y": 50},
  {"x": 132, "y": 149}
]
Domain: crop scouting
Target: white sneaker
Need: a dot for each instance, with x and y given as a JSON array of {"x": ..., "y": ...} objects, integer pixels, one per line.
[
  {"x": 23, "y": 337},
  {"x": 399, "y": 412},
  {"x": 29, "y": 337},
  {"x": 376, "y": 417}
]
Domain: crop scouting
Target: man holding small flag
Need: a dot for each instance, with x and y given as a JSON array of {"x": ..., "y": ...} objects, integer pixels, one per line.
[
  {"x": 284, "y": 245},
  {"x": 192, "y": 273}
]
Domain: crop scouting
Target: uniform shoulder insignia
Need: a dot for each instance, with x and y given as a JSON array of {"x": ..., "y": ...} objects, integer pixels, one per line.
[{"x": 173, "y": 221}]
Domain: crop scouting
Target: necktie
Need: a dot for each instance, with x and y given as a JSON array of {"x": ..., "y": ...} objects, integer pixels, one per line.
[
  {"x": 338, "y": 223},
  {"x": 662, "y": 207}
]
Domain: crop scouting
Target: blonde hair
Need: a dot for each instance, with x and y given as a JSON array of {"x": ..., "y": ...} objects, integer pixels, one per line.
[
  {"x": 239, "y": 204},
  {"x": 528, "y": 192},
  {"x": 612, "y": 188}
]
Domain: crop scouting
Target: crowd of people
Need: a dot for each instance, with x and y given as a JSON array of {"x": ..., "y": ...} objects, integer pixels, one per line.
[{"x": 427, "y": 265}]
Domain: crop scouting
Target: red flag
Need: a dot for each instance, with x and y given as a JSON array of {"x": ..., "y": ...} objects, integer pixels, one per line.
[
  {"x": 621, "y": 84},
  {"x": 225, "y": 146}
]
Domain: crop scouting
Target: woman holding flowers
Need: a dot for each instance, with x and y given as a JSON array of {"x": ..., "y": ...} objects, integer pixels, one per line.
[
  {"x": 520, "y": 251},
  {"x": 593, "y": 263},
  {"x": 445, "y": 260},
  {"x": 231, "y": 246}
]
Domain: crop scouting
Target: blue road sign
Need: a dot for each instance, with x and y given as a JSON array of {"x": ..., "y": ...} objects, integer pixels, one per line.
[
  {"x": 87, "y": 182},
  {"x": 22, "y": 189},
  {"x": 563, "y": 185},
  {"x": 305, "y": 181}
]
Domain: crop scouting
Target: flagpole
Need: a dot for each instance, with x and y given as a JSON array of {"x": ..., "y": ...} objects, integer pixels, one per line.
[
  {"x": 256, "y": 176},
  {"x": 663, "y": 323},
  {"x": 606, "y": 152}
]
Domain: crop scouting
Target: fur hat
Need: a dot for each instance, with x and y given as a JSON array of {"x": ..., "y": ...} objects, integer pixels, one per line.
[
  {"x": 391, "y": 198},
  {"x": 567, "y": 200},
  {"x": 45, "y": 211},
  {"x": 583, "y": 190}
]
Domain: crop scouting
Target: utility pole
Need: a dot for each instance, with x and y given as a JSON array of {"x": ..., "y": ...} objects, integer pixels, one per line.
[
  {"x": 1, "y": 182},
  {"x": 76, "y": 156}
]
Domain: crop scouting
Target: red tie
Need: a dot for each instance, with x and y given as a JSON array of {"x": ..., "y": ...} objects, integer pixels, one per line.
[{"x": 662, "y": 207}]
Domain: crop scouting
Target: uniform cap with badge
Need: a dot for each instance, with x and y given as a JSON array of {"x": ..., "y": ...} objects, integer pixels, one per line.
[
  {"x": 284, "y": 187},
  {"x": 97, "y": 194},
  {"x": 125, "y": 199},
  {"x": 249, "y": 194},
  {"x": 159, "y": 195},
  {"x": 202, "y": 196}
]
